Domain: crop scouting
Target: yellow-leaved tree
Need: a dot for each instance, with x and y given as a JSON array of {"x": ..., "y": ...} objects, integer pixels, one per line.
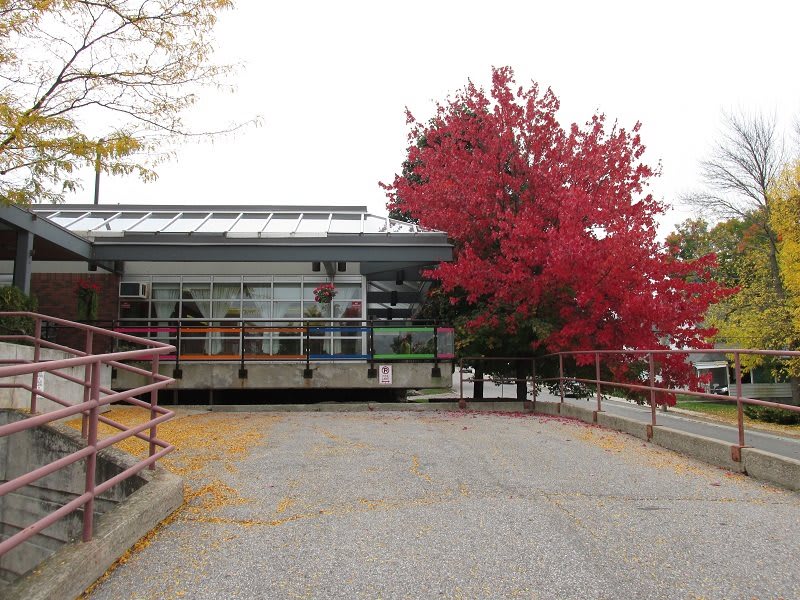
[
  {"x": 749, "y": 189},
  {"x": 785, "y": 219},
  {"x": 100, "y": 83}
]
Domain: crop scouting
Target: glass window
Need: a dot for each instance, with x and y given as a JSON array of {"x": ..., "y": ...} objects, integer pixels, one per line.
[
  {"x": 347, "y": 302},
  {"x": 133, "y": 309},
  {"x": 286, "y": 345},
  {"x": 286, "y": 310},
  {"x": 315, "y": 310},
  {"x": 287, "y": 291},
  {"x": 256, "y": 311},
  {"x": 227, "y": 291},
  {"x": 166, "y": 300},
  {"x": 195, "y": 300},
  {"x": 308, "y": 289},
  {"x": 257, "y": 291},
  {"x": 227, "y": 303}
]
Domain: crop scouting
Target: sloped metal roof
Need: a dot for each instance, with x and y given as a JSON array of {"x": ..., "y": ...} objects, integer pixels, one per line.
[{"x": 97, "y": 221}]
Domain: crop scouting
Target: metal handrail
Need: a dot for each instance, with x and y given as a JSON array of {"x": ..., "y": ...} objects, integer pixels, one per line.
[
  {"x": 651, "y": 384},
  {"x": 239, "y": 330},
  {"x": 95, "y": 396}
]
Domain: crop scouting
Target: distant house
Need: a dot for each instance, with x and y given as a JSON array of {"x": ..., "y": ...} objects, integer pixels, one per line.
[
  {"x": 716, "y": 368},
  {"x": 758, "y": 382}
]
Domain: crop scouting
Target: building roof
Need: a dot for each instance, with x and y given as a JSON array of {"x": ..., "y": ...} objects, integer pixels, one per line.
[
  {"x": 97, "y": 221},
  {"x": 104, "y": 234}
]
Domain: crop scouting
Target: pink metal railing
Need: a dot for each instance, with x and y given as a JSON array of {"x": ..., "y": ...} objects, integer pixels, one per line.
[
  {"x": 651, "y": 385},
  {"x": 95, "y": 396}
]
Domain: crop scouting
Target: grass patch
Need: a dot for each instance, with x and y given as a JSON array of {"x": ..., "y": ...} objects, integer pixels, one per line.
[
  {"x": 725, "y": 412},
  {"x": 434, "y": 391},
  {"x": 721, "y": 409}
]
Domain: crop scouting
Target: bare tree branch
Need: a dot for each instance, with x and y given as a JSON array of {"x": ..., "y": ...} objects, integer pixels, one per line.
[
  {"x": 88, "y": 78},
  {"x": 741, "y": 169}
]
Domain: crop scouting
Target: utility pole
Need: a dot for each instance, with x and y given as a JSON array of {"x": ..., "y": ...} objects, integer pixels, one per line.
[{"x": 97, "y": 165}]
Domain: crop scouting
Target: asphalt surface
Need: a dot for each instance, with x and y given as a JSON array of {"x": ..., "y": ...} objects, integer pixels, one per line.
[
  {"x": 775, "y": 443},
  {"x": 457, "y": 505}
]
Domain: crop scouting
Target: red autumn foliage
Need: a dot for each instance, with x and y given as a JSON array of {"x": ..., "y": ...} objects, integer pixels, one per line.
[{"x": 551, "y": 225}]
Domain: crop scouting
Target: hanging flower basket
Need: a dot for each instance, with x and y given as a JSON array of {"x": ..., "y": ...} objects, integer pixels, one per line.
[
  {"x": 324, "y": 293},
  {"x": 88, "y": 300}
]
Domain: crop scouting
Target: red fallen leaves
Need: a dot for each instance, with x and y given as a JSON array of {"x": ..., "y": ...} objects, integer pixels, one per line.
[{"x": 552, "y": 227}]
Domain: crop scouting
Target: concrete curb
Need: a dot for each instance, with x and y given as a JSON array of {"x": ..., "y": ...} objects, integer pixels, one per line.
[
  {"x": 770, "y": 467},
  {"x": 622, "y": 424},
  {"x": 765, "y": 466},
  {"x": 502, "y": 406},
  {"x": 74, "y": 567},
  {"x": 706, "y": 449}
]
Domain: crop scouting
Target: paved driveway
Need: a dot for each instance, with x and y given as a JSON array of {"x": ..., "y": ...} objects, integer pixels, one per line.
[
  {"x": 776, "y": 443},
  {"x": 454, "y": 505}
]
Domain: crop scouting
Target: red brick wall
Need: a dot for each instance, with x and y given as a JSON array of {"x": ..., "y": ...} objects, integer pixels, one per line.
[{"x": 57, "y": 294}]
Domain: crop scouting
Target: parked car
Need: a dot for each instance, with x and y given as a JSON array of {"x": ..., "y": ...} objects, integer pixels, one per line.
[
  {"x": 576, "y": 389},
  {"x": 718, "y": 388}
]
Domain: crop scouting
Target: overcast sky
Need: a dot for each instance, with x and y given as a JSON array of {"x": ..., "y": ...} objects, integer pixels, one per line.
[{"x": 331, "y": 80}]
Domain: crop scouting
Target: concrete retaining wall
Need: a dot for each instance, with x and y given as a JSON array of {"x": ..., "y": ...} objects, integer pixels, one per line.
[
  {"x": 771, "y": 467},
  {"x": 758, "y": 464},
  {"x": 501, "y": 406},
  {"x": 628, "y": 426},
  {"x": 73, "y": 568},
  {"x": 20, "y": 399},
  {"x": 706, "y": 449},
  {"x": 325, "y": 375},
  {"x": 582, "y": 413},
  {"x": 547, "y": 408},
  {"x": 34, "y": 448}
]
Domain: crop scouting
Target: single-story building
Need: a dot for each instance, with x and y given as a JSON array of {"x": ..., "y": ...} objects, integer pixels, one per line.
[{"x": 236, "y": 290}]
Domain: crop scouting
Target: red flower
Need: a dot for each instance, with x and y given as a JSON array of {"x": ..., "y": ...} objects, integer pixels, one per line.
[
  {"x": 85, "y": 285},
  {"x": 324, "y": 293}
]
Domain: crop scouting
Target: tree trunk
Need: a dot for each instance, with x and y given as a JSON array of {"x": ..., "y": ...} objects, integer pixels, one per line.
[
  {"x": 775, "y": 268},
  {"x": 522, "y": 384},
  {"x": 477, "y": 387}
]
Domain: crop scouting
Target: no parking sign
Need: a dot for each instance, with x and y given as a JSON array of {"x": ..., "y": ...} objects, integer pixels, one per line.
[{"x": 385, "y": 375}]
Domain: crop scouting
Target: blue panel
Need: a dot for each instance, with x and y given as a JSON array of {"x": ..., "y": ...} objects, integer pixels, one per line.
[
  {"x": 339, "y": 356},
  {"x": 318, "y": 330}
]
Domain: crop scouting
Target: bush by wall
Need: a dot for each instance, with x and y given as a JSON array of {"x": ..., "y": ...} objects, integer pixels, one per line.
[{"x": 14, "y": 299}]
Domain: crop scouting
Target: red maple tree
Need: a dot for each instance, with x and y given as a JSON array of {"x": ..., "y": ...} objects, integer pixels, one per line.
[{"x": 553, "y": 229}]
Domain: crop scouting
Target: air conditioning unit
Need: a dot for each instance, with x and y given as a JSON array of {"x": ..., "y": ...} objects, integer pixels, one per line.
[{"x": 132, "y": 289}]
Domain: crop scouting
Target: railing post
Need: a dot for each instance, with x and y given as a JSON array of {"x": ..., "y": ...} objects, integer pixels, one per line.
[
  {"x": 372, "y": 372},
  {"x": 461, "y": 402},
  {"x": 739, "y": 405},
  {"x": 435, "y": 370},
  {"x": 561, "y": 375},
  {"x": 37, "y": 351},
  {"x": 153, "y": 405},
  {"x": 307, "y": 373},
  {"x": 533, "y": 380},
  {"x": 91, "y": 459},
  {"x": 597, "y": 375},
  {"x": 178, "y": 345},
  {"x": 652, "y": 389},
  {"x": 87, "y": 385},
  {"x": 242, "y": 368}
]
